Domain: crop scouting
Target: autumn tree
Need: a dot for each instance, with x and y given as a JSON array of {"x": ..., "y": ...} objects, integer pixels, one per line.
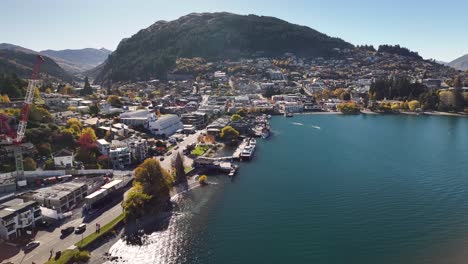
[
  {"x": 29, "y": 164},
  {"x": 235, "y": 117},
  {"x": 228, "y": 133},
  {"x": 413, "y": 105},
  {"x": 150, "y": 192},
  {"x": 90, "y": 131},
  {"x": 114, "y": 101}
]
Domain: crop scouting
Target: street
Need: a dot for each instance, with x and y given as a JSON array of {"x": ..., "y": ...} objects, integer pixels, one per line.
[{"x": 51, "y": 240}]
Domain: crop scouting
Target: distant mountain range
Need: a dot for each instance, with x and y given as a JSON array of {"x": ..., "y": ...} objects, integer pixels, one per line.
[
  {"x": 80, "y": 60},
  {"x": 460, "y": 63},
  {"x": 152, "y": 51},
  {"x": 22, "y": 64},
  {"x": 72, "y": 61}
]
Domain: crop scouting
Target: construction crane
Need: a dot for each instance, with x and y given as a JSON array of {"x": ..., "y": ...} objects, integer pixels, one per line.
[{"x": 15, "y": 138}]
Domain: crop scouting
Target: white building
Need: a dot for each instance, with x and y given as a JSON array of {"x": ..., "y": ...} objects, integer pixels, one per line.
[
  {"x": 135, "y": 118},
  {"x": 165, "y": 125},
  {"x": 293, "y": 107},
  {"x": 63, "y": 158},
  {"x": 18, "y": 218},
  {"x": 103, "y": 146},
  {"x": 120, "y": 155}
]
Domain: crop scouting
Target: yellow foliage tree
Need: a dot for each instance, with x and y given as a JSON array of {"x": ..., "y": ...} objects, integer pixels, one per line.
[
  {"x": 90, "y": 132},
  {"x": 413, "y": 105}
]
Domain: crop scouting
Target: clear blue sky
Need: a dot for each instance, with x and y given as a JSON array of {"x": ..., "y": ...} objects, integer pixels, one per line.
[{"x": 436, "y": 29}]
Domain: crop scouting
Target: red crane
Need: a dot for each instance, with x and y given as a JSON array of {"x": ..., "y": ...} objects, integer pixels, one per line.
[{"x": 11, "y": 137}]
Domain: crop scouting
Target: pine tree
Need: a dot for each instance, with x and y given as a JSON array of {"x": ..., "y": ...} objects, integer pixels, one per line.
[
  {"x": 179, "y": 169},
  {"x": 87, "y": 90}
]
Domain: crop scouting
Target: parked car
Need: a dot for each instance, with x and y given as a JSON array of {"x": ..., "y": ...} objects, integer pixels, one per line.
[
  {"x": 176, "y": 148},
  {"x": 161, "y": 158},
  {"x": 32, "y": 245},
  {"x": 168, "y": 153},
  {"x": 80, "y": 229},
  {"x": 67, "y": 231}
]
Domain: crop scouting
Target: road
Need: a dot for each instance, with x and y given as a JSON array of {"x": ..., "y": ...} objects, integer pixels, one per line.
[
  {"x": 51, "y": 240},
  {"x": 190, "y": 139}
]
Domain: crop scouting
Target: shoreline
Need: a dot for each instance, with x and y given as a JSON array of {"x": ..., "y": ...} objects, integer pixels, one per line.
[{"x": 367, "y": 112}]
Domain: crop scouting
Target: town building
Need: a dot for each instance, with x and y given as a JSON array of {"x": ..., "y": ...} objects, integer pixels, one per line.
[
  {"x": 197, "y": 119},
  {"x": 165, "y": 125},
  {"x": 58, "y": 198},
  {"x": 119, "y": 155},
  {"x": 63, "y": 158},
  {"x": 18, "y": 218}
]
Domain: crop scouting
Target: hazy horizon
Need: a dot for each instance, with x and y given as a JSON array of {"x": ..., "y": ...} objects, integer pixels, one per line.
[{"x": 432, "y": 29}]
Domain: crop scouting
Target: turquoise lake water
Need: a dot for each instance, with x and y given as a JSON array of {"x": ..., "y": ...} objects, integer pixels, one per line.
[{"x": 330, "y": 189}]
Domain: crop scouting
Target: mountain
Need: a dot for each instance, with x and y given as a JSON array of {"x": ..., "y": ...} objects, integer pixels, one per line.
[
  {"x": 78, "y": 60},
  {"x": 20, "y": 63},
  {"x": 152, "y": 51},
  {"x": 460, "y": 63},
  {"x": 7, "y": 46}
]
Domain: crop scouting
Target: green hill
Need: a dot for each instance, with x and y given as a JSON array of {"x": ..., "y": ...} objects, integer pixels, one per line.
[{"x": 152, "y": 51}]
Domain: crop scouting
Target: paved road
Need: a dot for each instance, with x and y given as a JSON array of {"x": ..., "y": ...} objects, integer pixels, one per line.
[
  {"x": 51, "y": 240},
  {"x": 190, "y": 139}
]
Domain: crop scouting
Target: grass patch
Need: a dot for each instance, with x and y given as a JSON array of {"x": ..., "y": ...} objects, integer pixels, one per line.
[
  {"x": 188, "y": 169},
  {"x": 104, "y": 231},
  {"x": 70, "y": 256},
  {"x": 200, "y": 150}
]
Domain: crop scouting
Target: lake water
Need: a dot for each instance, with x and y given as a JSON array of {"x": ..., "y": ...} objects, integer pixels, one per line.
[{"x": 329, "y": 189}]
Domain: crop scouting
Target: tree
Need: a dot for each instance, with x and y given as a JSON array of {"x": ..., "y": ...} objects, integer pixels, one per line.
[
  {"x": 179, "y": 169},
  {"x": 29, "y": 164},
  {"x": 87, "y": 89},
  {"x": 349, "y": 107},
  {"x": 103, "y": 161},
  {"x": 235, "y": 117},
  {"x": 202, "y": 180},
  {"x": 90, "y": 132},
  {"x": 150, "y": 191},
  {"x": 44, "y": 149},
  {"x": 241, "y": 112},
  {"x": 413, "y": 105},
  {"x": 229, "y": 133},
  {"x": 67, "y": 90},
  {"x": 64, "y": 139},
  {"x": 136, "y": 202},
  {"x": 429, "y": 100},
  {"x": 458, "y": 101},
  {"x": 345, "y": 96},
  {"x": 49, "y": 164},
  {"x": 114, "y": 101},
  {"x": 94, "y": 109},
  {"x": 73, "y": 121},
  {"x": 153, "y": 178},
  {"x": 4, "y": 98}
]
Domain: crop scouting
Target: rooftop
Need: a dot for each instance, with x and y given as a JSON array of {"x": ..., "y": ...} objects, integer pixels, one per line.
[{"x": 56, "y": 191}]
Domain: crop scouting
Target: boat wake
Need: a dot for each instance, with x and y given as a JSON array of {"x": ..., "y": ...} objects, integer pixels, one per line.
[
  {"x": 316, "y": 127},
  {"x": 297, "y": 124}
]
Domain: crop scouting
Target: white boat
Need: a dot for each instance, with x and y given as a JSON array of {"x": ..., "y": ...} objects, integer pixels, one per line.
[
  {"x": 253, "y": 142},
  {"x": 247, "y": 152}
]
